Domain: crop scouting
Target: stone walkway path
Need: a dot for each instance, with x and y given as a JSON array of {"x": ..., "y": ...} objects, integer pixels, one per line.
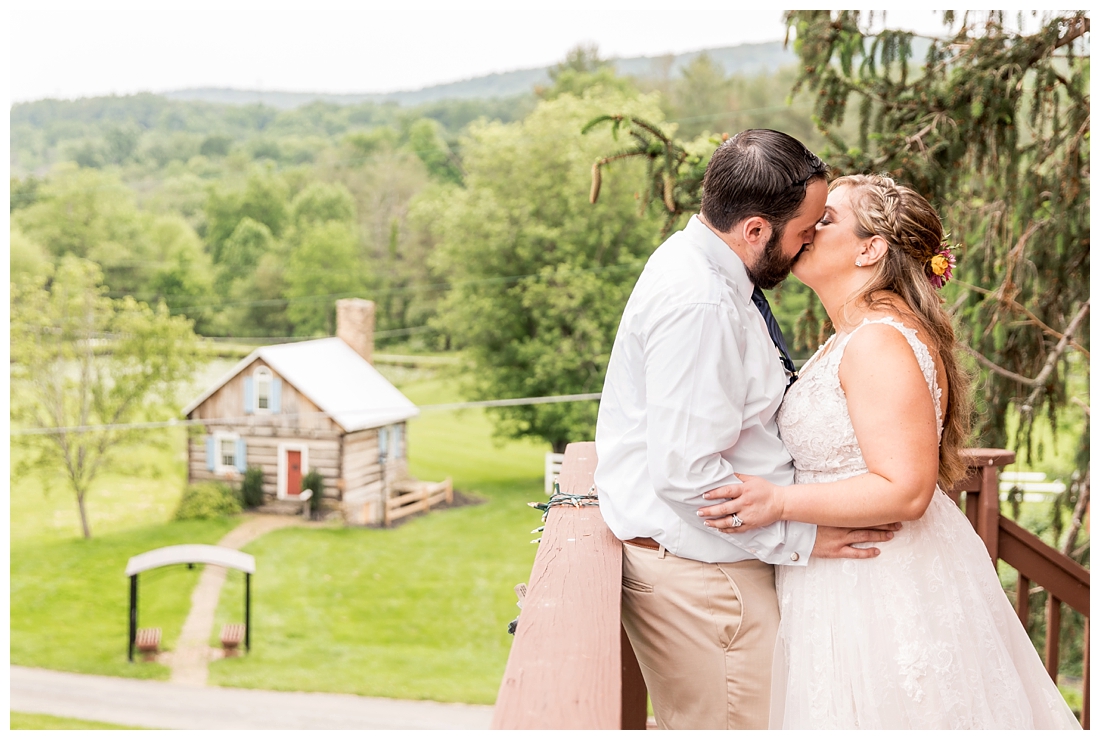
[
  {"x": 161, "y": 705},
  {"x": 193, "y": 653}
]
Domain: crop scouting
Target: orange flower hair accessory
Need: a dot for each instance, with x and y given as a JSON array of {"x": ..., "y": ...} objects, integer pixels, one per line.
[{"x": 941, "y": 265}]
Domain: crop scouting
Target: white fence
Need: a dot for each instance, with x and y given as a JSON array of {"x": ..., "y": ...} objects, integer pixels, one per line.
[
  {"x": 1035, "y": 486},
  {"x": 553, "y": 467}
]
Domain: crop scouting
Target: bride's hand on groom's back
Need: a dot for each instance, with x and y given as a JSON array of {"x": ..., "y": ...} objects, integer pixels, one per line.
[{"x": 839, "y": 542}]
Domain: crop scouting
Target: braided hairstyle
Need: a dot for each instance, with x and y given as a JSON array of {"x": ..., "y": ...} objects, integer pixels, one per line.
[{"x": 914, "y": 233}]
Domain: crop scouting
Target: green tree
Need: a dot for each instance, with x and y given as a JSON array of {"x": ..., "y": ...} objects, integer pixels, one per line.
[
  {"x": 581, "y": 70},
  {"x": 322, "y": 267},
  {"x": 263, "y": 199},
  {"x": 394, "y": 242},
  {"x": 28, "y": 258},
  {"x": 426, "y": 141},
  {"x": 242, "y": 252},
  {"x": 538, "y": 277},
  {"x": 703, "y": 98},
  {"x": 257, "y": 302},
  {"x": 182, "y": 276},
  {"x": 215, "y": 146},
  {"x": 83, "y": 363},
  {"x": 320, "y": 202},
  {"x": 91, "y": 214}
]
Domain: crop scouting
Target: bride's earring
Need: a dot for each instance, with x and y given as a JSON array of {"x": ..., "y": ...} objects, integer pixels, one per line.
[{"x": 859, "y": 264}]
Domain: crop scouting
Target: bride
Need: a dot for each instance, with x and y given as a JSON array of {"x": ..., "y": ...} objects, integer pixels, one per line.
[{"x": 921, "y": 637}]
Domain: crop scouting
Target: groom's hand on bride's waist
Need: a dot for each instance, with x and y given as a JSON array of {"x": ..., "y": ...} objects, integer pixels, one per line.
[{"x": 840, "y": 542}]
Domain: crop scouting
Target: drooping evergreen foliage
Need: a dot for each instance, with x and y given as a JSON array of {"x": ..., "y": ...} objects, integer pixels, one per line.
[{"x": 994, "y": 129}]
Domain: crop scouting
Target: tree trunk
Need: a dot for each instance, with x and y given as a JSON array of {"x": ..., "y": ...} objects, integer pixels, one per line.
[{"x": 83, "y": 516}]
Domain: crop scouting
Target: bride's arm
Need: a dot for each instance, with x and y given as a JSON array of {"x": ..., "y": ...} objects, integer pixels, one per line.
[{"x": 894, "y": 421}]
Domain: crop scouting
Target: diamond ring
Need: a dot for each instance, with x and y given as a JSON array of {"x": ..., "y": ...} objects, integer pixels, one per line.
[{"x": 736, "y": 521}]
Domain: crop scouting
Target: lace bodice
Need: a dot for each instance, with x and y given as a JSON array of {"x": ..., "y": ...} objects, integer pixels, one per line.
[{"x": 814, "y": 422}]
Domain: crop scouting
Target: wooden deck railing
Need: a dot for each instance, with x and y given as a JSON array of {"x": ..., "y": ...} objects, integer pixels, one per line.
[
  {"x": 422, "y": 497},
  {"x": 1036, "y": 562},
  {"x": 571, "y": 666}
]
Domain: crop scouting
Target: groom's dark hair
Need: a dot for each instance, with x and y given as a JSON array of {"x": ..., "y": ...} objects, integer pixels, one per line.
[{"x": 758, "y": 172}]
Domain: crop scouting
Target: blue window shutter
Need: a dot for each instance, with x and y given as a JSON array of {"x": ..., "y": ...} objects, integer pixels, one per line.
[
  {"x": 211, "y": 453},
  {"x": 248, "y": 395},
  {"x": 276, "y": 395},
  {"x": 383, "y": 438},
  {"x": 242, "y": 463}
]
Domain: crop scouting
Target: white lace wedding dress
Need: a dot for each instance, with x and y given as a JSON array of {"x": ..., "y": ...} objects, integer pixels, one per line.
[{"x": 921, "y": 637}]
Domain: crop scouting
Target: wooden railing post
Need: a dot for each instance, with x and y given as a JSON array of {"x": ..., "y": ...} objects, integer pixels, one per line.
[
  {"x": 635, "y": 694},
  {"x": 983, "y": 500},
  {"x": 1085, "y": 680},
  {"x": 1023, "y": 594},
  {"x": 1054, "y": 632},
  {"x": 571, "y": 666}
]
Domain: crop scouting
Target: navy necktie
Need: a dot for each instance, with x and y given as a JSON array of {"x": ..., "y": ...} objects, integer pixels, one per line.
[{"x": 776, "y": 333}]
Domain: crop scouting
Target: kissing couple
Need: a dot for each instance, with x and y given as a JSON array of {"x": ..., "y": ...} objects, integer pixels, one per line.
[{"x": 790, "y": 557}]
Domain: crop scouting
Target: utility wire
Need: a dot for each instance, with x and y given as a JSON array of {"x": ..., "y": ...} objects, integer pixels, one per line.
[{"x": 425, "y": 287}]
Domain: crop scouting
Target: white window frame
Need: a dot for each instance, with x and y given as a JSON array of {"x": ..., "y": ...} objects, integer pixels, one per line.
[
  {"x": 262, "y": 374},
  {"x": 285, "y": 447},
  {"x": 219, "y": 467}
]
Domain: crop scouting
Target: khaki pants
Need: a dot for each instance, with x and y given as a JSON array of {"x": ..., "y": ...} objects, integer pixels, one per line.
[{"x": 704, "y": 634}]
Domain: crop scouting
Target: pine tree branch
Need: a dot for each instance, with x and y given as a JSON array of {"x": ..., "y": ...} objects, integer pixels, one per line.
[
  {"x": 990, "y": 365},
  {"x": 1078, "y": 514},
  {"x": 1012, "y": 303},
  {"x": 1080, "y": 27},
  {"x": 1028, "y": 406}
]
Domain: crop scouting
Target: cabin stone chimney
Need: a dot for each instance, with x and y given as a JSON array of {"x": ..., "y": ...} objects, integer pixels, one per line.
[{"x": 355, "y": 325}]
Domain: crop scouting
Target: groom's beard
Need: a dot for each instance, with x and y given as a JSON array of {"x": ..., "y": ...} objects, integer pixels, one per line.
[{"x": 773, "y": 267}]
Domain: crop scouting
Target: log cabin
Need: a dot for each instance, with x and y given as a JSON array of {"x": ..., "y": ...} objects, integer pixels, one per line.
[{"x": 313, "y": 405}]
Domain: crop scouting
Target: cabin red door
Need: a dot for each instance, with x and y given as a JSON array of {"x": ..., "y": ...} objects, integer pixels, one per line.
[{"x": 293, "y": 472}]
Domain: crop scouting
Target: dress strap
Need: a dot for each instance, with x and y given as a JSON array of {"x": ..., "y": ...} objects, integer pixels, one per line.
[{"x": 924, "y": 359}]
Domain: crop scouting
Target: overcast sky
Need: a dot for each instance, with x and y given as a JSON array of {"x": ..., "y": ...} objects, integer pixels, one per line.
[{"x": 98, "y": 47}]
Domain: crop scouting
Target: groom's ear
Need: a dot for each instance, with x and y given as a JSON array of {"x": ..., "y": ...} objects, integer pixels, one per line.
[
  {"x": 874, "y": 251},
  {"x": 755, "y": 231}
]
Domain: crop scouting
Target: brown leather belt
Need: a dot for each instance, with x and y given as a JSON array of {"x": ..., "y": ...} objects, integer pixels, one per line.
[{"x": 647, "y": 542}]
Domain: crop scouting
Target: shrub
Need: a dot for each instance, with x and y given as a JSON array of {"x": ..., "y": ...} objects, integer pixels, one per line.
[
  {"x": 208, "y": 500},
  {"x": 252, "y": 488},
  {"x": 314, "y": 482}
]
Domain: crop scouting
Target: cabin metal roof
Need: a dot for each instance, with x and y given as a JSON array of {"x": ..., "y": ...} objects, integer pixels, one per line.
[{"x": 333, "y": 376}]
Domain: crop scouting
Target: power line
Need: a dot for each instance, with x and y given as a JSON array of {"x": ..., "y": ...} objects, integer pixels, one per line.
[
  {"x": 237, "y": 420},
  {"x": 425, "y": 287}
]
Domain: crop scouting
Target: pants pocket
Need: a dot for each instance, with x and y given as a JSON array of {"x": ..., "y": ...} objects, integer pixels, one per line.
[{"x": 632, "y": 585}]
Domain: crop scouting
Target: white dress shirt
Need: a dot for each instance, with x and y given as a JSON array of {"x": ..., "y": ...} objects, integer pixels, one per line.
[{"x": 690, "y": 398}]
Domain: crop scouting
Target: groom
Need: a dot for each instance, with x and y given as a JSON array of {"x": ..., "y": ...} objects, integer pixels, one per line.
[{"x": 696, "y": 376}]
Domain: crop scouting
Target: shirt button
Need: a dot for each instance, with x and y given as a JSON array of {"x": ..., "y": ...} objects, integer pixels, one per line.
[{"x": 794, "y": 556}]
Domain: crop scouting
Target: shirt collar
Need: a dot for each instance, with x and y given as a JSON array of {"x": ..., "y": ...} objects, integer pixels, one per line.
[{"x": 718, "y": 252}]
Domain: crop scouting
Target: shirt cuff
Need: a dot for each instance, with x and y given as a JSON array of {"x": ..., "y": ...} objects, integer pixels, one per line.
[{"x": 799, "y": 543}]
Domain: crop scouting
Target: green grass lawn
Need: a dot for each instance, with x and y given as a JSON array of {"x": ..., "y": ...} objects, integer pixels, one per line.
[
  {"x": 418, "y": 611},
  {"x": 69, "y": 596},
  {"x": 24, "y": 721}
]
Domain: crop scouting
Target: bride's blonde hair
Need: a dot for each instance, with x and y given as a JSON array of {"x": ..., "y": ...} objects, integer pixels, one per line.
[{"x": 914, "y": 233}]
